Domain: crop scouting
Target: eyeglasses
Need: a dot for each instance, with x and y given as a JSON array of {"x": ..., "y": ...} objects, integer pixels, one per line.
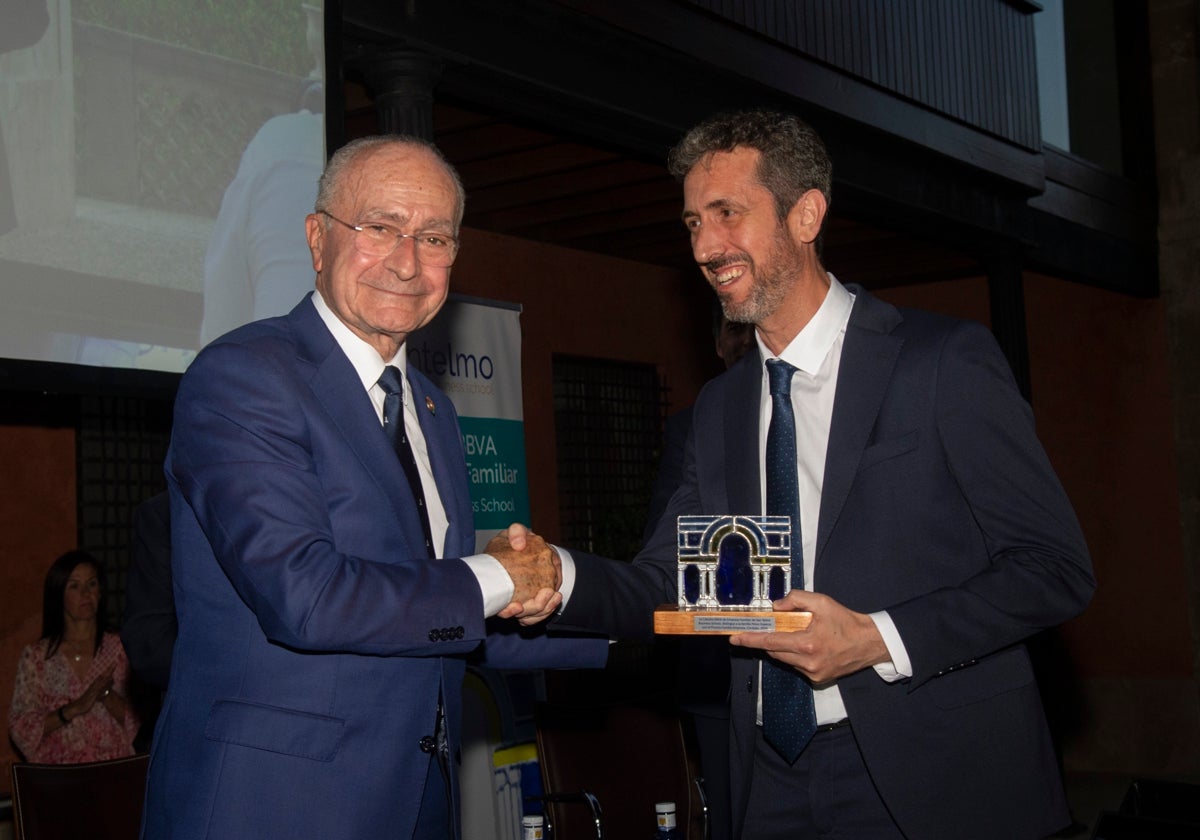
[{"x": 379, "y": 239}]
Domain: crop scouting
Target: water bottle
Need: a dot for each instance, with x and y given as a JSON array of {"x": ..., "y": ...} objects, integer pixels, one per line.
[
  {"x": 665, "y": 830},
  {"x": 531, "y": 827}
]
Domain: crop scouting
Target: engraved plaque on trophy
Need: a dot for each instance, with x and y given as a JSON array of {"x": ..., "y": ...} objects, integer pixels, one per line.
[{"x": 730, "y": 570}]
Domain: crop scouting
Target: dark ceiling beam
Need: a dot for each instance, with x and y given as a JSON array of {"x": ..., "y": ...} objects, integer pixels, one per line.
[
  {"x": 564, "y": 69},
  {"x": 629, "y": 77},
  {"x": 529, "y": 163},
  {"x": 550, "y": 65},
  {"x": 762, "y": 62},
  {"x": 583, "y": 180},
  {"x": 490, "y": 140},
  {"x": 578, "y": 180},
  {"x": 648, "y": 237},
  {"x": 1078, "y": 253},
  {"x": 611, "y": 224},
  {"x": 661, "y": 196}
]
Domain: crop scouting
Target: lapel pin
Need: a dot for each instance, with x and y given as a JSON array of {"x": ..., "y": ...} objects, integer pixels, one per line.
[{"x": 429, "y": 404}]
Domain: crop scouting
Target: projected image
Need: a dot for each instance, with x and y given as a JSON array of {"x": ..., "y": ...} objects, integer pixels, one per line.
[{"x": 157, "y": 159}]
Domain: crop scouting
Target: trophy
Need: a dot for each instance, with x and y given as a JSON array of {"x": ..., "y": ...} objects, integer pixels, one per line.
[{"x": 730, "y": 570}]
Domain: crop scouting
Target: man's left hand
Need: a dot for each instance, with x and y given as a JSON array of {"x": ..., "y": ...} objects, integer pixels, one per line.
[{"x": 839, "y": 641}]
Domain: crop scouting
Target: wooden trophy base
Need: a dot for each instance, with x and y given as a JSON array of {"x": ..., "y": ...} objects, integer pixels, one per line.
[{"x": 669, "y": 620}]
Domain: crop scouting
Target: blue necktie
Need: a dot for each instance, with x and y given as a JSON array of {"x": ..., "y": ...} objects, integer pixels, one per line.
[
  {"x": 392, "y": 383},
  {"x": 789, "y": 719}
]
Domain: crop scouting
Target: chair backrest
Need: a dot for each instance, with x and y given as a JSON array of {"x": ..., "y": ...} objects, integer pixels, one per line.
[
  {"x": 1162, "y": 799},
  {"x": 101, "y": 800},
  {"x": 1112, "y": 826},
  {"x": 627, "y": 756}
]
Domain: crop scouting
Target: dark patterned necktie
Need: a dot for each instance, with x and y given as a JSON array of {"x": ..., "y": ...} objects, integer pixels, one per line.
[
  {"x": 789, "y": 719},
  {"x": 392, "y": 383}
]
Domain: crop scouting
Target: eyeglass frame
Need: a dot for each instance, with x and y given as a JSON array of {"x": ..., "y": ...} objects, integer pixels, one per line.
[{"x": 415, "y": 237}]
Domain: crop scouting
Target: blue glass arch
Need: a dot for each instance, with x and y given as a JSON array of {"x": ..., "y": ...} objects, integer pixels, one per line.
[{"x": 735, "y": 578}]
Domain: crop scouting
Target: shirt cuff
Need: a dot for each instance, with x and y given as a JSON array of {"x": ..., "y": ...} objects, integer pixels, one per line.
[
  {"x": 899, "y": 667},
  {"x": 494, "y": 582},
  {"x": 568, "y": 575}
]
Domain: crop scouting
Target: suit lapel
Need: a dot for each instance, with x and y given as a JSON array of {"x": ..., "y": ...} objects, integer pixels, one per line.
[
  {"x": 869, "y": 355},
  {"x": 336, "y": 385},
  {"x": 443, "y": 441}
]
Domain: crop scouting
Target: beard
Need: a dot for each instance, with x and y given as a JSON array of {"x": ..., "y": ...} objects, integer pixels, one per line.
[{"x": 772, "y": 282}]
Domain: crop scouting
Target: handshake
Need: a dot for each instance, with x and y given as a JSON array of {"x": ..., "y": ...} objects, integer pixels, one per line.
[{"x": 536, "y": 573}]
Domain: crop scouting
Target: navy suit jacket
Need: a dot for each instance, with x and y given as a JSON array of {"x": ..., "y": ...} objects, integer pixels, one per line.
[
  {"x": 314, "y": 637},
  {"x": 938, "y": 505}
]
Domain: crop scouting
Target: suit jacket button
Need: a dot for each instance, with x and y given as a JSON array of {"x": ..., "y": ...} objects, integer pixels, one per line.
[
  {"x": 459, "y": 632},
  {"x": 749, "y": 684},
  {"x": 427, "y": 744},
  {"x": 433, "y": 635}
]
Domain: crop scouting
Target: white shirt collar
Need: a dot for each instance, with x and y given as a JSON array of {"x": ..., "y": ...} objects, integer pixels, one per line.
[
  {"x": 812, "y": 344},
  {"x": 365, "y": 358}
]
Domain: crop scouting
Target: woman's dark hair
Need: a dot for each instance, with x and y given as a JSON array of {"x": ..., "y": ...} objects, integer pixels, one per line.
[{"x": 52, "y": 598}]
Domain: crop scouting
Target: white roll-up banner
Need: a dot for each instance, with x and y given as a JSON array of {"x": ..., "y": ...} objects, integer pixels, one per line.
[{"x": 472, "y": 351}]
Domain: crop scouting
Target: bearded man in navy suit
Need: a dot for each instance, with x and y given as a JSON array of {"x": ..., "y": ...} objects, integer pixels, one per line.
[
  {"x": 327, "y": 602},
  {"x": 935, "y": 536}
]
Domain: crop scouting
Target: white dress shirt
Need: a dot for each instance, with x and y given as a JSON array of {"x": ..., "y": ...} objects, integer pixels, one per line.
[
  {"x": 494, "y": 582},
  {"x": 816, "y": 353}
]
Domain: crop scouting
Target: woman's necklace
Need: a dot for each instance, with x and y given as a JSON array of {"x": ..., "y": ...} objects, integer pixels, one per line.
[{"x": 78, "y": 645}]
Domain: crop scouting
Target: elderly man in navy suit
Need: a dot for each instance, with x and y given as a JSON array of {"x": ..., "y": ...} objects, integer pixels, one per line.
[
  {"x": 328, "y": 599},
  {"x": 934, "y": 536}
]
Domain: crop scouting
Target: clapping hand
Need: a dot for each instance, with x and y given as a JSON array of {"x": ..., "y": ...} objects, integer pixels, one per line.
[{"x": 97, "y": 690}]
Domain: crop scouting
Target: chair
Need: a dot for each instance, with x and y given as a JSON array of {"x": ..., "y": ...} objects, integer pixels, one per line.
[
  {"x": 100, "y": 800},
  {"x": 1113, "y": 826},
  {"x": 605, "y": 766},
  {"x": 1153, "y": 809},
  {"x": 1162, "y": 799}
]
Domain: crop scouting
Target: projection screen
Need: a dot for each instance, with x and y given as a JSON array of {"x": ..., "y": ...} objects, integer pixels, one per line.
[{"x": 157, "y": 159}]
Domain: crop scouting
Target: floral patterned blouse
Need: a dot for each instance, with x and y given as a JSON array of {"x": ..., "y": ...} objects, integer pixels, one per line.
[{"x": 44, "y": 685}]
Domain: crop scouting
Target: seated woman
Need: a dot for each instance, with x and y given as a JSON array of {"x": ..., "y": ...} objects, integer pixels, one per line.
[{"x": 69, "y": 702}]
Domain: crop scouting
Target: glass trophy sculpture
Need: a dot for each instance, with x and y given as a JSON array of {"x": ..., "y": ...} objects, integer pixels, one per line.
[{"x": 730, "y": 570}]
